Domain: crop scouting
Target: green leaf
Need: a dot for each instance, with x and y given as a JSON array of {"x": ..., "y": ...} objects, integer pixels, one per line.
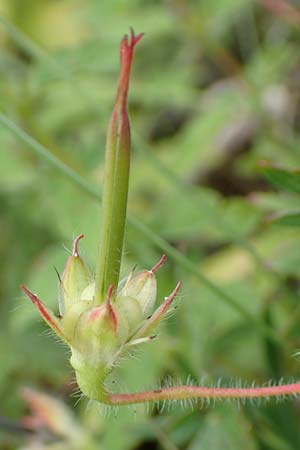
[
  {"x": 224, "y": 429},
  {"x": 281, "y": 178},
  {"x": 289, "y": 218}
]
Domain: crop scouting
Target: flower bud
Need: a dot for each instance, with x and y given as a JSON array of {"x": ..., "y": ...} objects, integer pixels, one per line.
[
  {"x": 75, "y": 279},
  {"x": 72, "y": 316},
  {"x": 129, "y": 309},
  {"x": 89, "y": 292},
  {"x": 99, "y": 334},
  {"x": 94, "y": 346},
  {"x": 142, "y": 288},
  {"x": 96, "y": 332}
]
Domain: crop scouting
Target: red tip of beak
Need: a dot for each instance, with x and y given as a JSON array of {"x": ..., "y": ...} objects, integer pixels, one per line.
[
  {"x": 126, "y": 55},
  {"x": 135, "y": 38},
  {"x": 47, "y": 315}
]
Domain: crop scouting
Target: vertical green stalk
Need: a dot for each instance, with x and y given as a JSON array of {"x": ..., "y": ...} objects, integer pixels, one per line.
[{"x": 117, "y": 165}]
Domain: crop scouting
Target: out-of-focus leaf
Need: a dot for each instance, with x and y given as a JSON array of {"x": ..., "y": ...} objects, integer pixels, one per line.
[
  {"x": 281, "y": 178},
  {"x": 275, "y": 201},
  {"x": 224, "y": 429},
  {"x": 290, "y": 218},
  {"x": 203, "y": 214},
  {"x": 15, "y": 172}
]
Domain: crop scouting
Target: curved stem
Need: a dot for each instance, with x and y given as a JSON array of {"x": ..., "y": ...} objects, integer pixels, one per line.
[{"x": 194, "y": 392}]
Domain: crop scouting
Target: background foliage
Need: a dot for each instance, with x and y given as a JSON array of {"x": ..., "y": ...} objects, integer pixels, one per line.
[{"x": 215, "y": 90}]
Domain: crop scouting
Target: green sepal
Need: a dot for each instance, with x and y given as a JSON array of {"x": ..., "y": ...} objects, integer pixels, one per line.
[{"x": 75, "y": 278}]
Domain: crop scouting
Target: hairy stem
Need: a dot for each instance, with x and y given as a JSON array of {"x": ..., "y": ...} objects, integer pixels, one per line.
[{"x": 194, "y": 392}]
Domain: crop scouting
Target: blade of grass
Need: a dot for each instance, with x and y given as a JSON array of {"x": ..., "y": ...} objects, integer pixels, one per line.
[
  {"x": 37, "y": 52},
  {"x": 30, "y": 47},
  {"x": 43, "y": 152},
  {"x": 161, "y": 243}
]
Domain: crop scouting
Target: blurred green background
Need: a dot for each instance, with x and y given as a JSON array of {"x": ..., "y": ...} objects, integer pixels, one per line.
[{"x": 215, "y": 90}]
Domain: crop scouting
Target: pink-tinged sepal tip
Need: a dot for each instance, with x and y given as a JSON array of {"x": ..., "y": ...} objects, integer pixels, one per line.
[
  {"x": 105, "y": 314},
  {"x": 75, "y": 245},
  {"x": 159, "y": 264},
  {"x": 47, "y": 315},
  {"x": 167, "y": 302},
  {"x": 157, "y": 316}
]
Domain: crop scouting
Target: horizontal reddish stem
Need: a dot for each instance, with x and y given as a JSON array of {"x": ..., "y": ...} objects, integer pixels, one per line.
[{"x": 192, "y": 392}]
